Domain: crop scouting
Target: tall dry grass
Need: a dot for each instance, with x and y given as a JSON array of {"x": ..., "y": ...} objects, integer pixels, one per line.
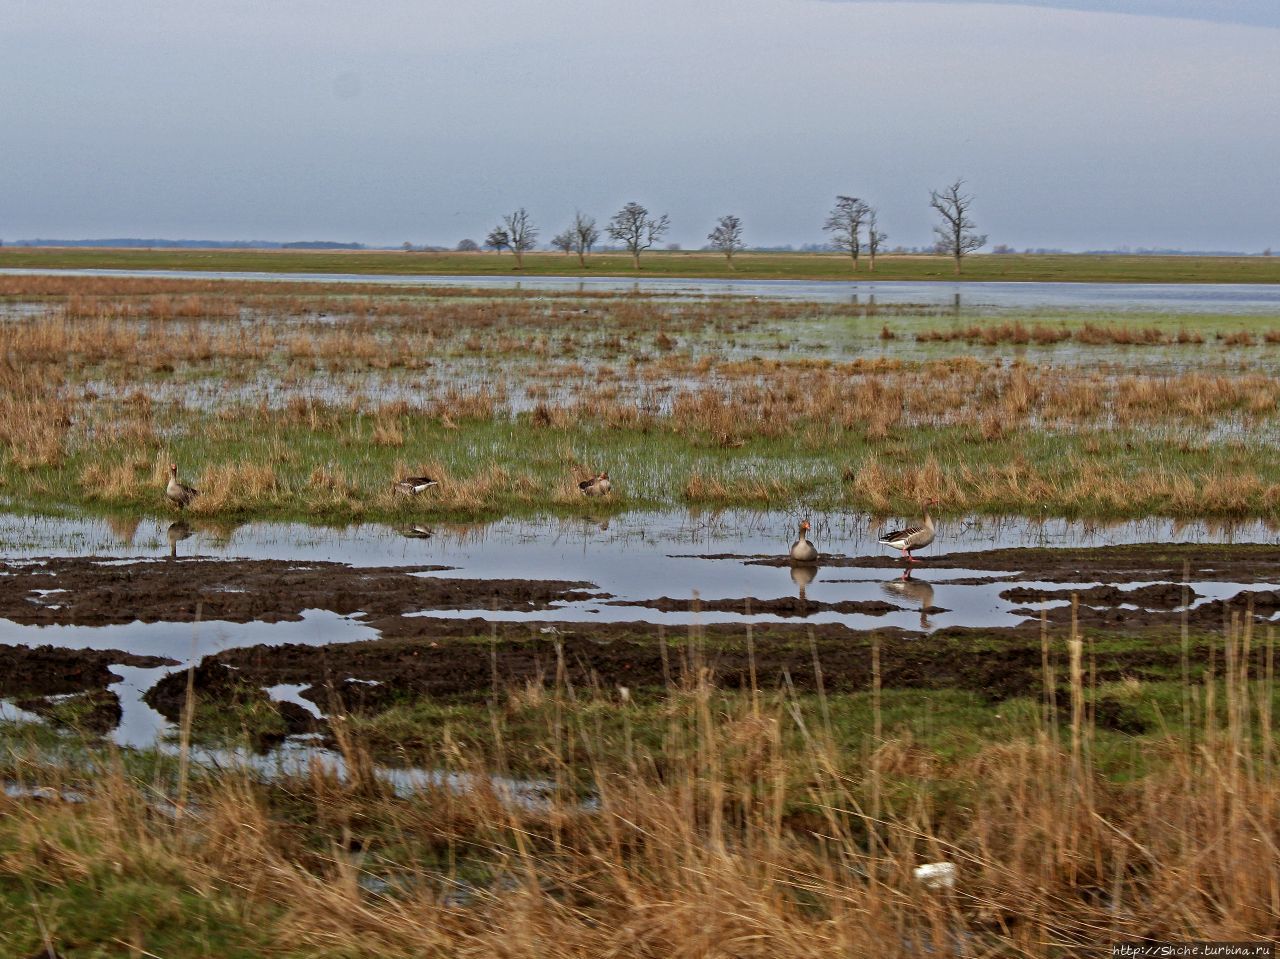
[{"x": 747, "y": 832}]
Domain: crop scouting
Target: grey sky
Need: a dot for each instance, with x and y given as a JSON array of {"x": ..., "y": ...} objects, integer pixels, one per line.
[{"x": 414, "y": 119}]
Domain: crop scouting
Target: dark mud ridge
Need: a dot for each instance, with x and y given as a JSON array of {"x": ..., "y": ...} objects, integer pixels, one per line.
[
  {"x": 92, "y": 592},
  {"x": 55, "y": 671},
  {"x": 1156, "y": 596},
  {"x": 445, "y": 661},
  {"x": 784, "y": 606},
  {"x": 1100, "y": 611},
  {"x": 1252, "y": 563},
  {"x": 97, "y": 711},
  {"x": 219, "y": 685}
]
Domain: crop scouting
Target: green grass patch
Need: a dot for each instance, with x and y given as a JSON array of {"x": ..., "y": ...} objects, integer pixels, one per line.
[{"x": 749, "y": 266}]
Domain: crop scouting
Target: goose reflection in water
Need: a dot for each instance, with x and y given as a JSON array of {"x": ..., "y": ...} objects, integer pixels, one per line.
[
  {"x": 916, "y": 591},
  {"x": 802, "y": 576},
  {"x": 176, "y": 532}
]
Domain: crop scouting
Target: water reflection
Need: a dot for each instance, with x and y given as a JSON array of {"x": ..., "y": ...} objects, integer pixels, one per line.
[
  {"x": 176, "y": 533},
  {"x": 802, "y": 576},
  {"x": 125, "y": 528},
  {"x": 916, "y": 591}
]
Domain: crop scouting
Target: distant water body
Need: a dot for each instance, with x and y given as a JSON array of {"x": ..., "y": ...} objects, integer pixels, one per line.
[{"x": 1231, "y": 298}]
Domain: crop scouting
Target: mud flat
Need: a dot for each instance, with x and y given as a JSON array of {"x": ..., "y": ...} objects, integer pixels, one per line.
[
  {"x": 301, "y": 640},
  {"x": 86, "y": 591}
]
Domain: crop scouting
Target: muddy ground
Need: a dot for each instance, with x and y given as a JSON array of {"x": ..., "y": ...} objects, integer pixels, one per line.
[
  {"x": 94, "y": 592},
  {"x": 1251, "y": 563},
  {"x": 55, "y": 671},
  {"x": 467, "y": 659}
]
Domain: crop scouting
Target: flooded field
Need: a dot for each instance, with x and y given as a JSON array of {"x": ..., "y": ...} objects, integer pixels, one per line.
[
  {"x": 1233, "y": 298},
  {"x": 441, "y": 702},
  {"x": 144, "y": 600}
]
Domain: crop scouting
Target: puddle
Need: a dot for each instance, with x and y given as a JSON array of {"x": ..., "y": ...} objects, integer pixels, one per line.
[
  {"x": 636, "y": 561},
  {"x": 140, "y": 725}
]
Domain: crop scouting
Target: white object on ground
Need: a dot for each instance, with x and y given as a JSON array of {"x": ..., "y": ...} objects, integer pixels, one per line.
[{"x": 936, "y": 875}]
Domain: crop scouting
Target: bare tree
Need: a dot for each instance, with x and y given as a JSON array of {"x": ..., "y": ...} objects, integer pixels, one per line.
[
  {"x": 636, "y": 230},
  {"x": 467, "y": 246},
  {"x": 875, "y": 238},
  {"x": 522, "y": 235},
  {"x": 497, "y": 239},
  {"x": 585, "y": 235},
  {"x": 564, "y": 241},
  {"x": 727, "y": 237},
  {"x": 845, "y": 225},
  {"x": 955, "y": 233}
]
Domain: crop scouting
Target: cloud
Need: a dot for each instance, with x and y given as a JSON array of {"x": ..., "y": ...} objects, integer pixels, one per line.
[{"x": 1256, "y": 13}]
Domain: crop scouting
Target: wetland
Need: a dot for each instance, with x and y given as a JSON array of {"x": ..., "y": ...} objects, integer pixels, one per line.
[{"x": 502, "y": 689}]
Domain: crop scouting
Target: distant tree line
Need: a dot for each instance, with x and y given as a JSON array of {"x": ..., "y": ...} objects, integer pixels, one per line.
[{"x": 853, "y": 225}]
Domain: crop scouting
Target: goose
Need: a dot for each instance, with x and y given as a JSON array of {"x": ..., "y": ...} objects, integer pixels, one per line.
[
  {"x": 802, "y": 551},
  {"x": 598, "y": 485},
  {"x": 179, "y": 494},
  {"x": 417, "y": 531},
  {"x": 912, "y": 537},
  {"x": 413, "y": 485}
]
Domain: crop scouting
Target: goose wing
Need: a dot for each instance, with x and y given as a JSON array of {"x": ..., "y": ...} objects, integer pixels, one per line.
[{"x": 901, "y": 535}]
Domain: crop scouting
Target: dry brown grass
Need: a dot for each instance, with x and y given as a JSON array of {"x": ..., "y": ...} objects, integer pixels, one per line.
[
  {"x": 748, "y": 833},
  {"x": 1017, "y": 333},
  {"x": 34, "y": 421}
]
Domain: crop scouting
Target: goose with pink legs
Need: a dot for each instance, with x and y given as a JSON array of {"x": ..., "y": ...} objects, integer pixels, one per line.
[{"x": 912, "y": 538}]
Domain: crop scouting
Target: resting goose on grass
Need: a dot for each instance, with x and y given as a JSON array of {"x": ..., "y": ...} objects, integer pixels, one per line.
[
  {"x": 598, "y": 485},
  {"x": 413, "y": 485},
  {"x": 802, "y": 551},
  {"x": 179, "y": 494},
  {"x": 912, "y": 537}
]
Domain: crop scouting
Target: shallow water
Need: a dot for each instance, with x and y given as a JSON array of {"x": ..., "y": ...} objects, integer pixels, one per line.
[
  {"x": 1241, "y": 298},
  {"x": 634, "y": 556}
]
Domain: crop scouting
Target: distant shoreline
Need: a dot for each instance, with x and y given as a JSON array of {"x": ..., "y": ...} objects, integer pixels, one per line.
[{"x": 990, "y": 267}]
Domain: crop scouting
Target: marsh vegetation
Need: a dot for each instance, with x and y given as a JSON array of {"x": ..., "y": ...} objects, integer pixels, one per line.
[
  {"x": 483, "y": 774},
  {"x": 284, "y": 402}
]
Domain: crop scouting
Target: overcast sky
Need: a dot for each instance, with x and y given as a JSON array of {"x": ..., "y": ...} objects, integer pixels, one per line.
[{"x": 391, "y": 120}]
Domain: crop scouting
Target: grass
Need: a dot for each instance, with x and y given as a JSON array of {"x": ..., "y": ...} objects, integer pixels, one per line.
[
  {"x": 749, "y": 266},
  {"x": 763, "y": 823},
  {"x": 325, "y": 462},
  {"x": 307, "y": 403}
]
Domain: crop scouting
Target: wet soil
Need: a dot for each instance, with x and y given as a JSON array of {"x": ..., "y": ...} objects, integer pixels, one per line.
[
  {"x": 221, "y": 686},
  {"x": 467, "y": 659},
  {"x": 1107, "y": 612},
  {"x": 94, "y": 592},
  {"x": 96, "y": 712},
  {"x": 1155, "y": 596},
  {"x": 55, "y": 671},
  {"x": 784, "y": 606},
  {"x": 1250, "y": 563}
]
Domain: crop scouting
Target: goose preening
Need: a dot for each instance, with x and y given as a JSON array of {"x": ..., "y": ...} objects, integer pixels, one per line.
[
  {"x": 597, "y": 485},
  {"x": 413, "y": 485},
  {"x": 802, "y": 551},
  {"x": 179, "y": 494},
  {"x": 912, "y": 537}
]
